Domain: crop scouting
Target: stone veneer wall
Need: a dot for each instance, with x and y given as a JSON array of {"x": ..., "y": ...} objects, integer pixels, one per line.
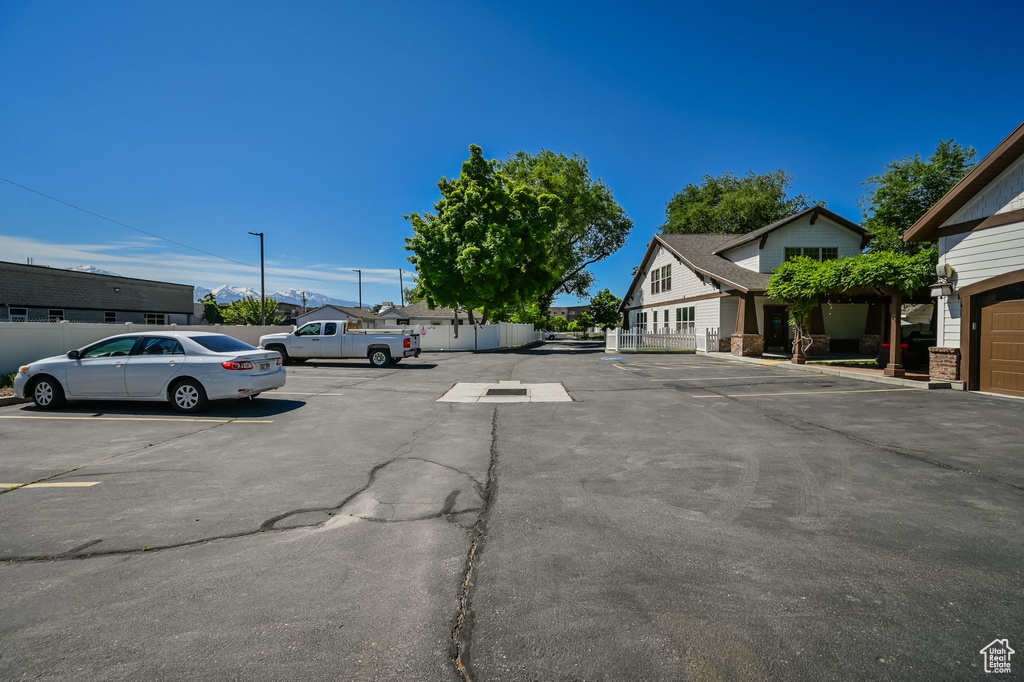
[
  {"x": 870, "y": 343},
  {"x": 747, "y": 345},
  {"x": 944, "y": 363},
  {"x": 725, "y": 345},
  {"x": 819, "y": 345}
]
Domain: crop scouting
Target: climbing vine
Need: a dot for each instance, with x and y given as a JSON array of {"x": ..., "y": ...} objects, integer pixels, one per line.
[{"x": 801, "y": 282}]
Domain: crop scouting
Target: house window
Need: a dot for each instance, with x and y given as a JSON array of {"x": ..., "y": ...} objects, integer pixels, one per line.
[
  {"x": 656, "y": 281},
  {"x": 666, "y": 319},
  {"x": 155, "y": 318},
  {"x": 655, "y": 318},
  {"x": 666, "y": 281},
  {"x": 56, "y": 315},
  {"x": 109, "y": 317},
  {"x": 685, "y": 319},
  {"x": 641, "y": 321},
  {"x": 17, "y": 314},
  {"x": 815, "y": 252}
]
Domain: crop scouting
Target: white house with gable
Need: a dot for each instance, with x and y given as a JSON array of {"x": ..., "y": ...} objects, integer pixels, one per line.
[
  {"x": 979, "y": 225},
  {"x": 691, "y": 282}
]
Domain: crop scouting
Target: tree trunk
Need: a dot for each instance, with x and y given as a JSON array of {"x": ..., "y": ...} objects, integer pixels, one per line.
[
  {"x": 455, "y": 320},
  {"x": 472, "y": 320}
]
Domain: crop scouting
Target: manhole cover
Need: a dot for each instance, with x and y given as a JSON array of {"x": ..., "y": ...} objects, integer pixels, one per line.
[{"x": 506, "y": 391}]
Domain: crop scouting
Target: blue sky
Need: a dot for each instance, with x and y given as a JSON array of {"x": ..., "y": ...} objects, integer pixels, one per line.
[{"x": 322, "y": 123}]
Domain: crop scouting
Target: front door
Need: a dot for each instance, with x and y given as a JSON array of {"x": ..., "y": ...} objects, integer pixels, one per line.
[
  {"x": 776, "y": 328},
  {"x": 100, "y": 369}
]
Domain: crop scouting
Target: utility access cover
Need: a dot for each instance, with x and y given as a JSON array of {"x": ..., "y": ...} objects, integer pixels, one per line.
[{"x": 506, "y": 392}]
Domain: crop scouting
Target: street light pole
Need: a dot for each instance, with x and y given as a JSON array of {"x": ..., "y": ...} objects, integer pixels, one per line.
[
  {"x": 360, "y": 287},
  {"x": 401, "y": 287},
  {"x": 263, "y": 282}
]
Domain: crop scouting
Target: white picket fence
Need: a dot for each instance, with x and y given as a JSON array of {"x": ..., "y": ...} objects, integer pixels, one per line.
[{"x": 635, "y": 341}]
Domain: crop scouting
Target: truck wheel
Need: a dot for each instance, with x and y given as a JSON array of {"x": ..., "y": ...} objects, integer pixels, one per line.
[
  {"x": 284, "y": 354},
  {"x": 380, "y": 357}
]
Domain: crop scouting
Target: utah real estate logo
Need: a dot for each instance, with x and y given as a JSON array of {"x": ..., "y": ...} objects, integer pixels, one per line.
[{"x": 997, "y": 656}]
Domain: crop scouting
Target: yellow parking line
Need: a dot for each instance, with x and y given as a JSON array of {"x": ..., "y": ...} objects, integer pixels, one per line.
[
  {"x": 763, "y": 376},
  {"x": 303, "y": 376},
  {"x": 141, "y": 419},
  {"x": 748, "y": 395},
  {"x": 305, "y": 393},
  {"x": 615, "y": 364},
  {"x": 80, "y": 484}
]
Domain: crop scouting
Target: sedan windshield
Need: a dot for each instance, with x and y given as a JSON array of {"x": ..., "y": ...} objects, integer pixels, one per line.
[{"x": 222, "y": 344}]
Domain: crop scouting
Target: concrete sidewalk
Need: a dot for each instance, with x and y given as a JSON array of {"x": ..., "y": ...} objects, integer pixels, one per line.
[{"x": 861, "y": 373}]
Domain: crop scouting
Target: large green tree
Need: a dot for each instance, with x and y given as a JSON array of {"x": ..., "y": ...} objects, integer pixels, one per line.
[
  {"x": 249, "y": 311},
  {"x": 907, "y": 189},
  {"x": 591, "y": 224},
  {"x": 605, "y": 309},
  {"x": 731, "y": 204},
  {"x": 489, "y": 245}
]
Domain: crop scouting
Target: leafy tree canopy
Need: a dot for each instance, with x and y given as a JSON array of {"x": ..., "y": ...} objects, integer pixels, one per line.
[
  {"x": 730, "y": 204},
  {"x": 489, "y": 243},
  {"x": 907, "y": 189},
  {"x": 211, "y": 309},
  {"x": 559, "y": 323},
  {"x": 605, "y": 309},
  {"x": 591, "y": 224},
  {"x": 530, "y": 314},
  {"x": 248, "y": 311},
  {"x": 801, "y": 282}
]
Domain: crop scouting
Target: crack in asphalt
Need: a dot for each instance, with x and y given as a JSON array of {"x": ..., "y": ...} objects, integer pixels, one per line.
[
  {"x": 463, "y": 630},
  {"x": 448, "y": 512}
]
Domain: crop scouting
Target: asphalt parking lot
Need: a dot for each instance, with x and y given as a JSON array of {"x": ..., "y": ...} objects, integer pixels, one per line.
[{"x": 683, "y": 517}]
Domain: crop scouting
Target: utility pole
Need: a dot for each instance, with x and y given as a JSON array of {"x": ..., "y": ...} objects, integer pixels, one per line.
[
  {"x": 263, "y": 281},
  {"x": 360, "y": 287},
  {"x": 401, "y": 287},
  {"x": 303, "y": 302}
]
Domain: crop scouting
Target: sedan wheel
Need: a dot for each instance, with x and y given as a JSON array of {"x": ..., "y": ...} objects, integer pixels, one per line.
[
  {"x": 47, "y": 394},
  {"x": 188, "y": 396}
]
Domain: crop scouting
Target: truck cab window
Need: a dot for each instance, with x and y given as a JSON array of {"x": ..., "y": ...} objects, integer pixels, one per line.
[
  {"x": 311, "y": 329},
  {"x": 330, "y": 328}
]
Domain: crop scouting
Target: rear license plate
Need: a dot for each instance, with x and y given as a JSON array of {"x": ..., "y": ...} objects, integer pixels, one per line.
[{"x": 264, "y": 366}]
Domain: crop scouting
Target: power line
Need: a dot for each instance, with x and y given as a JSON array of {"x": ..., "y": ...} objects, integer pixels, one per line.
[{"x": 156, "y": 236}]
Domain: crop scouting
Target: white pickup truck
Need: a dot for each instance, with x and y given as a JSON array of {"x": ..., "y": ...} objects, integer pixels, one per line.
[{"x": 333, "y": 339}]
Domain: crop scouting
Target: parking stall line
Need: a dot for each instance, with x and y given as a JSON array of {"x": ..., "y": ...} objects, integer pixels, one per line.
[
  {"x": 77, "y": 484},
  {"x": 140, "y": 419},
  {"x": 311, "y": 393},
  {"x": 751, "y": 395},
  {"x": 762, "y": 376}
]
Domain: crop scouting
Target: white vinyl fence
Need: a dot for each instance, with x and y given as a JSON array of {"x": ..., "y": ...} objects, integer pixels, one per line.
[
  {"x": 23, "y": 342},
  {"x": 477, "y": 337},
  {"x": 635, "y": 341}
]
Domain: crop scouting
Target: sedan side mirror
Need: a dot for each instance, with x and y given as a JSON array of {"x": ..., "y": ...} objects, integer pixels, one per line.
[{"x": 73, "y": 355}]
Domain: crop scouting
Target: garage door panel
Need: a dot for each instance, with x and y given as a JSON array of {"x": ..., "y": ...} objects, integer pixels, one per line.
[{"x": 1002, "y": 348}]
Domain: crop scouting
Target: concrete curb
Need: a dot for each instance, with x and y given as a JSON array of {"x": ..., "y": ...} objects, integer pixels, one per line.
[
  {"x": 839, "y": 372},
  {"x": 12, "y": 400}
]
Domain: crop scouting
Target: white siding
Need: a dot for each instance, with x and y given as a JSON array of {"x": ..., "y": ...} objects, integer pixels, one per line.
[
  {"x": 685, "y": 284},
  {"x": 1005, "y": 193},
  {"x": 747, "y": 256},
  {"x": 728, "y": 308},
  {"x": 976, "y": 256},
  {"x": 823, "y": 233}
]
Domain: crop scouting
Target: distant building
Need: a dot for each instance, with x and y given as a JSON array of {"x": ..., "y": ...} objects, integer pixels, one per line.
[
  {"x": 41, "y": 293},
  {"x": 358, "y": 318},
  {"x": 570, "y": 313}
]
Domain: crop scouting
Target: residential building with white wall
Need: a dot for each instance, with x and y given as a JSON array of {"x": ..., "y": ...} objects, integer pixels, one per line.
[
  {"x": 979, "y": 225},
  {"x": 688, "y": 282}
]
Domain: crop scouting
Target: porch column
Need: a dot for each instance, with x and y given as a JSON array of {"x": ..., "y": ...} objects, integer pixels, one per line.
[
  {"x": 746, "y": 341},
  {"x": 895, "y": 366}
]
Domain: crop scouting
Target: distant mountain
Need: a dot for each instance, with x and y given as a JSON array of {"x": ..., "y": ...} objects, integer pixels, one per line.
[
  {"x": 92, "y": 269},
  {"x": 230, "y": 294}
]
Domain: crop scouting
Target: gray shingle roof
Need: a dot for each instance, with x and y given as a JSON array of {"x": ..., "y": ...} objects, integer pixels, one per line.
[
  {"x": 699, "y": 251},
  {"x": 420, "y": 309}
]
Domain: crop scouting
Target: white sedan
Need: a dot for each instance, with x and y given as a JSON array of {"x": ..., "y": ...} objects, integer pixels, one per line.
[{"x": 185, "y": 368}]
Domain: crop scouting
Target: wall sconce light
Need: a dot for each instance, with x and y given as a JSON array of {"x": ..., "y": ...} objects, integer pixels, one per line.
[{"x": 944, "y": 285}]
